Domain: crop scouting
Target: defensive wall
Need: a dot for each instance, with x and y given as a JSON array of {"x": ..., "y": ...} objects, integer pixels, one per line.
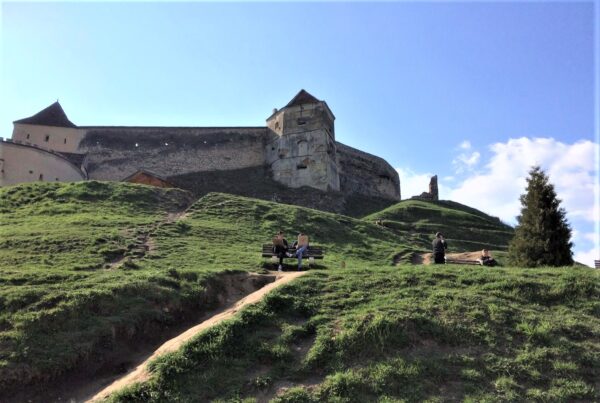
[
  {"x": 21, "y": 162},
  {"x": 297, "y": 149},
  {"x": 117, "y": 152}
]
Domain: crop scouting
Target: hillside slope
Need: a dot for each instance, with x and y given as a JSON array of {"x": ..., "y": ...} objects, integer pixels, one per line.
[
  {"x": 465, "y": 228},
  {"x": 412, "y": 334},
  {"x": 89, "y": 268}
]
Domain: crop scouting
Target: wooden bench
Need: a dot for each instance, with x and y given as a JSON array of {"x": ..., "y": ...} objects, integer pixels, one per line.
[{"x": 312, "y": 253}]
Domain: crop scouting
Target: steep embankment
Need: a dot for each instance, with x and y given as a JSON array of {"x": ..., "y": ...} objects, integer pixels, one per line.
[
  {"x": 398, "y": 334},
  {"x": 465, "y": 228},
  {"x": 75, "y": 288},
  {"x": 87, "y": 269}
]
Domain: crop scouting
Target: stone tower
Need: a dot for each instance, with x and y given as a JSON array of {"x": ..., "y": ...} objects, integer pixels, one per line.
[
  {"x": 433, "y": 188},
  {"x": 302, "y": 151}
]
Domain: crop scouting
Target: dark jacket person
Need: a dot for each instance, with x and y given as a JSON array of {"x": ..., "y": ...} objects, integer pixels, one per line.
[{"x": 439, "y": 248}]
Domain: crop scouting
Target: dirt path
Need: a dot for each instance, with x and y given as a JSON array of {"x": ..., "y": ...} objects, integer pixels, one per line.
[
  {"x": 141, "y": 373},
  {"x": 144, "y": 243},
  {"x": 425, "y": 258}
]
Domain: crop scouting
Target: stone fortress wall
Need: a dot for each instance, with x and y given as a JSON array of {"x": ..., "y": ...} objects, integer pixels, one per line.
[
  {"x": 28, "y": 163},
  {"x": 117, "y": 152},
  {"x": 297, "y": 148}
]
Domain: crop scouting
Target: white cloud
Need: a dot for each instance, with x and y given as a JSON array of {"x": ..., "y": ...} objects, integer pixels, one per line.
[
  {"x": 413, "y": 184},
  {"x": 587, "y": 257},
  {"x": 466, "y": 161},
  {"x": 465, "y": 145},
  {"x": 571, "y": 168}
]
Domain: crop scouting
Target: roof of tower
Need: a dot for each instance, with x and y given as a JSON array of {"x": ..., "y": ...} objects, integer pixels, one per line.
[
  {"x": 54, "y": 115},
  {"x": 303, "y": 97}
]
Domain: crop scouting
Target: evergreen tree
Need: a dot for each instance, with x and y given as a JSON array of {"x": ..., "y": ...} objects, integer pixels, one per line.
[{"x": 542, "y": 236}]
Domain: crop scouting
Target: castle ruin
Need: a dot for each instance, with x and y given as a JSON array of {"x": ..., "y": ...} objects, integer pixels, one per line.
[{"x": 433, "y": 193}]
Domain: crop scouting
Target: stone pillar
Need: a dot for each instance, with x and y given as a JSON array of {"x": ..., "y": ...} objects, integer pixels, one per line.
[{"x": 433, "y": 188}]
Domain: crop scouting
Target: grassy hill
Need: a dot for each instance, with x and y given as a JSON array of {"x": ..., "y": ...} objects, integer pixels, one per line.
[
  {"x": 465, "y": 228},
  {"x": 414, "y": 334},
  {"x": 87, "y": 269}
]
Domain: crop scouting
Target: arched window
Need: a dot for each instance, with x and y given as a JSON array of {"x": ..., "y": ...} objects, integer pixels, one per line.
[{"x": 302, "y": 147}]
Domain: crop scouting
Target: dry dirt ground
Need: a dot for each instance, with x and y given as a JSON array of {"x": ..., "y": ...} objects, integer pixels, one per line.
[
  {"x": 425, "y": 258},
  {"x": 141, "y": 373}
]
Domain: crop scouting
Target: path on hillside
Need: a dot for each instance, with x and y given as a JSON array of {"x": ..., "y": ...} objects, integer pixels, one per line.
[
  {"x": 144, "y": 243},
  {"x": 425, "y": 258},
  {"x": 141, "y": 373}
]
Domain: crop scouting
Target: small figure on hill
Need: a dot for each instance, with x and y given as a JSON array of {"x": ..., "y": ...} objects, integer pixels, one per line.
[
  {"x": 280, "y": 248},
  {"x": 486, "y": 259},
  {"x": 439, "y": 248},
  {"x": 301, "y": 245}
]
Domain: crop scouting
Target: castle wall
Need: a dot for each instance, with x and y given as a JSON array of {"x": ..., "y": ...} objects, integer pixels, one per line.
[
  {"x": 366, "y": 174},
  {"x": 21, "y": 163},
  {"x": 117, "y": 152},
  {"x": 64, "y": 139}
]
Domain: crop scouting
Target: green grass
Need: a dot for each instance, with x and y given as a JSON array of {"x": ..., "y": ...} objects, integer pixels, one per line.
[
  {"x": 465, "y": 228},
  {"x": 370, "y": 331},
  {"x": 63, "y": 304},
  {"x": 408, "y": 334}
]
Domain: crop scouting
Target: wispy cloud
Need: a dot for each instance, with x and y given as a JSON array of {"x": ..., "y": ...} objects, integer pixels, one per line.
[{"x": 465, "y": 145}]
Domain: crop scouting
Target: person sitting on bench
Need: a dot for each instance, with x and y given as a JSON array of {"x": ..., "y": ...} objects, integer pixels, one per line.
[
  {"x": 486, "y": 259},
  {"x": 301, "y": 246},
  {"x": 280, "y": 248}
]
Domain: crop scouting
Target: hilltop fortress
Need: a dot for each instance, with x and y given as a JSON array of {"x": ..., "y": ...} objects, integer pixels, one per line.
[{"x": 296, "y": 149}]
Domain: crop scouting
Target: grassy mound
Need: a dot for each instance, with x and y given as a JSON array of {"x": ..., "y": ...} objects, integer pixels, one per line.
[
  {"x": 85, "y": 267},
  {"x": 88, "y": 267},
  {"x": 413, "y": 334},
  {"x": 61, "y": 300},
  {"x": 465, "y": 228}
]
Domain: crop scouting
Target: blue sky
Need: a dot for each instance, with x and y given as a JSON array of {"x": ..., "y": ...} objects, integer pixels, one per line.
[{"x": 454, "y": 89}]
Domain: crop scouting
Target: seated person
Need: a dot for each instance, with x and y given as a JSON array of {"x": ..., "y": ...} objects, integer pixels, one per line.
[
  {"x": 301, "y": 245},
  {"x": 280, "y": 248},
  {"x": 486, "y": 259}
]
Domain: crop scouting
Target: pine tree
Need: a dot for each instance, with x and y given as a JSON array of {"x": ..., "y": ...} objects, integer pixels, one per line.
[{"x": 542, "y": 236}]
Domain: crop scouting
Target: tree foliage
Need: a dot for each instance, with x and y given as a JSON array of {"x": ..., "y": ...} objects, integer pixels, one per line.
[{"x": 542, "y": 236}]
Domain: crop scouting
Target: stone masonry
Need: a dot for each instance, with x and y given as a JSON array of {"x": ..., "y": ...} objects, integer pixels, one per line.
[{"x": 297, "y": 148}]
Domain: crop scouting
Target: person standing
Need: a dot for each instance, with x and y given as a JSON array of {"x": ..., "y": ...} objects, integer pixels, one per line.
[{"x": 439, "y": 248}]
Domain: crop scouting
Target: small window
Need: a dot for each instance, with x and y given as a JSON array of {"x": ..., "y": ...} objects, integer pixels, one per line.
[
  {"x": 47, "y": 138},
  {"x": 28, "y": 136},
  {"x": 301, "y": 166},
  {"x": 301, "y": 122},
  {"x": 56, "y": 179},
  {"x": 41, "y": 177},
  {"x": 30, "y": 171},
  {"x": 65, "y": 141}
]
